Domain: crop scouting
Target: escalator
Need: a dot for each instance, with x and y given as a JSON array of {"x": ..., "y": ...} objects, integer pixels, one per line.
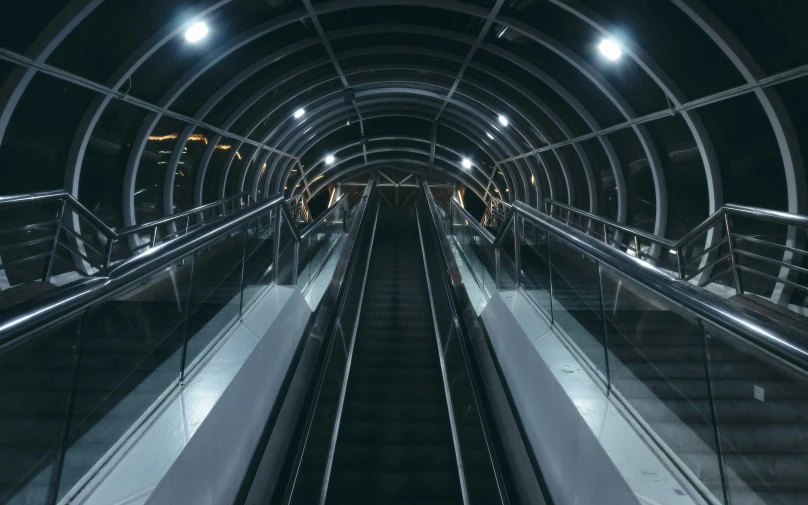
[
  {"x": 395, "y": 439},
  {"x": 102, "y": 352},
  {"x": 396, "y": 414}
]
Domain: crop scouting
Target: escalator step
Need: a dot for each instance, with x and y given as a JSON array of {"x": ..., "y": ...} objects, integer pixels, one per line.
[{"x": 395, "y": 444}]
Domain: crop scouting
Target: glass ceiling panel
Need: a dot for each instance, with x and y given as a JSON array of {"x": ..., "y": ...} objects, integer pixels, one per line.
[
  {"x": 570, "y": 78},
  {"x": 772, "y": 31},
  {"x": 22, "y": 22},
  {"x": 39, "y": 134},
  {"x": 424, "y": 16},
  {"x": 676, "y": 43},
  {"x": 638, "y": 89},
  {"x": 221, "y": 73},
  {"x": 538, "y": 87}
]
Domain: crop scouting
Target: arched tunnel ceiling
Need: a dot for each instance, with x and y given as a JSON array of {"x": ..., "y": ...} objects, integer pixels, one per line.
[{"x": 108, "y": 99}]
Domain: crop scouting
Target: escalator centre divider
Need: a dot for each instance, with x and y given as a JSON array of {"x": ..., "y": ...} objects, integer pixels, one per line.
[{"x": 480, "y": 396}]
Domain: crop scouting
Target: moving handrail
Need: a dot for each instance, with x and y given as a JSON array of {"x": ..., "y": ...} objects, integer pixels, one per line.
[
  {"x": 783, "y": 341},
  {"x": 78, "y": 296},
  {"x": 479, "y": 359},
  {"x": 340, "y": 203}
]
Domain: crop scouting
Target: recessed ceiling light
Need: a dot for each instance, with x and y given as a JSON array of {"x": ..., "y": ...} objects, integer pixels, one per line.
[
  {"x": 489, "y": 136},
  {"x": 329, "y": 159},
  {"x": 196, "y": 32},
  {"x": 466, "y": 163},
  {"x": 610, "y": 49},
  {"x": 503, "y": 120},
  {"x": 299, "y": 113}
]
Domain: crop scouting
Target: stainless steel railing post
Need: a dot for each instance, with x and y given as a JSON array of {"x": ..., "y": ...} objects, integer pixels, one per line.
[{"x": 49, "y": 267}]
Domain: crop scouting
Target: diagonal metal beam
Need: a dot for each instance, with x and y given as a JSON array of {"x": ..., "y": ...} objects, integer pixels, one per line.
[
  {"x": 486, "y": 26},
  {"x": 319, "y": 28}
]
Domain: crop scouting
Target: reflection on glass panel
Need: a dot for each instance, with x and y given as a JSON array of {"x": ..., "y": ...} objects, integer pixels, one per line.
[
  {"x": 286, "y": 267},
  {"x": 35, "y": 397},
  {"x": 260, "y": 254},
  {"x": 656, "y": 362},
  {"x": 535, "y": 275},
  {"x": 639, "y": 177},
  {"x": 576, "y": 301},
  {"x": 762, "y": 416},
  {"x": 130, "y": 354},
  {"x": 216, "y": 293},
  {"x": 151, "y": 173},
  {"x": 506, "y": 274},
  {"x": 104, "y": 163},
  {"x": 215, "y": 169},
  {"x": 188, "y": 168}
]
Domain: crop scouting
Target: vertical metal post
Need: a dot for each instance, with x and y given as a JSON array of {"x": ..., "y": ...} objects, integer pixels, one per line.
[
  {"x": 517, "y": 251},
  {"x": 243, "y": 265},
  {"x": 64, "y": 434},
  {"x": 108, "y": 255},
  {"x": 277, "y": 248},
  {"x": 498, "y": 267},
  {"x": 59, "y": 218},
  {"x": 550, "y": 277},
  {"x": 605, "y": 331},
  {"x": 153, "y": 237},
  {"x": 185, "y": 323},
  {"x": 680, "y": 264},
  {"x": 713, "y": 412},
  {"x": 187, "y": 223},
  {"x": 735, "y": 273},
  {"x": 294, "y": 263},
  {"x": 637, "y": 247}
]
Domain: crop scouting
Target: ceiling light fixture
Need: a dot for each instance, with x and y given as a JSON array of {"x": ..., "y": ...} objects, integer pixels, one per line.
[
  {"x": 299, "y": 113},
  {"x": 329, "y": 159},
  {"x": 610, "y": 49},
  {"x": 503, "y": 120},
  {"x": 466, "y": 163},
  {"x": 196, "y": 32}
]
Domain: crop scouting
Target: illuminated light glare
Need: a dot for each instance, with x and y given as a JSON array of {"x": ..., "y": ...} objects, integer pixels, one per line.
[
  {"x": 329, "y": 159},
  {"x": 348, "y": 123},
  {"x": 170, "y": 136},
  {"x": 503, "y": 120},
  {"x": 610, "y": 49},
  {"x": 196, "y": 32},
  {"x": 466, "y": 163},
  {"x": 299, "y": 113},
  {"x": 490, "y": 136}
]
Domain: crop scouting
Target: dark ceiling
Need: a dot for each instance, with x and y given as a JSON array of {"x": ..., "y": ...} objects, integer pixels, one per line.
[{"x": 109, "y": 100}]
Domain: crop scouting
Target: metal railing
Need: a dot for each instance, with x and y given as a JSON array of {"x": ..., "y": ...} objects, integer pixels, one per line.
[
  {"x": 714, "y": 250},
  {"x": 298, "y": 208},
  {"x": 661, "y": 346},
  {"x": 72, "y": 228},
  {"x": 153, "y": 317},
  {"x": 495, "y": 212}
]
